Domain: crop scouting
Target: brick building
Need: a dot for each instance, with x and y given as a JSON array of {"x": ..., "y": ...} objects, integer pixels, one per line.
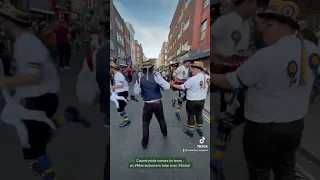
[
  {"x": 119, "y": 38},
  {"x": 189, "y": 34},
  {"x": 163, "y": 54},
  {"x": 138, "y": 52},
  {"x": 127, "y": 48}
]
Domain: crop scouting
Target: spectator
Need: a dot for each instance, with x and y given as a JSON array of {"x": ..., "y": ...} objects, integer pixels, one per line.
[
  {"x": 49, "y": 40},
  {"x": 63, "y": 44},
  {"x": 306, "y": 33}
]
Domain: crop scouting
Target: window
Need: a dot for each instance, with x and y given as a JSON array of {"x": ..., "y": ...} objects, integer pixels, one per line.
[
  {"x": 186, "y": 24},
  {"x": 185, "y": 43},
  {"x": 203, "y": 30},
  {"x": 205, "y": 3},
  {"x": 187, "y": 3},
  {"x": 180, "y": 17},
  {"x": 179, "y": 35},
  {"x": 111, "y": 44}
]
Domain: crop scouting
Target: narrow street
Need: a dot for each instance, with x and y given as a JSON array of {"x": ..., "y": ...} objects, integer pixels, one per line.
[
  {"x": 126, "y": 144},
  {"x": 77, "y": 153}
]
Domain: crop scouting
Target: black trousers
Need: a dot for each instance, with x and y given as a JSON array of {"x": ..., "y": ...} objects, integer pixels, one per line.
[
  {"x": 149, "y": 109},
  {"x": 122, "y": 104},
  {"x": 64, "y": 54},
  {"x": 107, "y": 163},
  {"x": 272, "y": 146},
  {"x": 39, "y": 133},
  {"x": 194, "y": 111}
]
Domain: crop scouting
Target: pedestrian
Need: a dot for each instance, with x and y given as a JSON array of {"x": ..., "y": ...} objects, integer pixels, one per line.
[
  {"x": 197, "y": 87},
  {"x": 49, "y": 40},
  {"x": 121, "y": 89},
  {"x": 63, "y": 40},
  {"x": 306, "y": 33},
  {"x": 149, "y": 86},
  {"x": 279, "y": 79},
  {"x": 94, "y": 36},
  {"x": 129, "y": 72},
  {"x": 181, "y": 74},
  {"x": 36, "y": 83}
]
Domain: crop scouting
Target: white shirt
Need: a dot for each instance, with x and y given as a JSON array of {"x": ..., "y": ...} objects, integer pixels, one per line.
[
  {"x": 269, "y": 97},
  {"x": 119, "y": 79},
  {"x": 158, "y": 78},
  {"x": 181, "y": 72},
  {"x": 222, "y": 32},
  {"x": 197, "y": 87},
  {"x": 33, "y": 58}
]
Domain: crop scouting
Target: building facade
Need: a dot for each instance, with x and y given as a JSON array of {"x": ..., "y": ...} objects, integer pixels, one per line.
[
  {"x": 119, "y": 29},
  {"x": 41, "y": 10},
  {"x": 113, "y": 34},
  {"x": 163, "y": 54},
  {"x": 131, "y": 31},
  {"x": 138, "y": 52},
  {"x": 77, "y": 9},
  {"x": 127, "y": 48},
  {"x": 189, "y": 34}
]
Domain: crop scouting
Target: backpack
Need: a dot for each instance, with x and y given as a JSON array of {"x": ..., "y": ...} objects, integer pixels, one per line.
[{"x": 87, "y": 88}]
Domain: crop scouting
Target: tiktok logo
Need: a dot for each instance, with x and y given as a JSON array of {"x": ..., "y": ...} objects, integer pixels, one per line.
[{"x": 202, "y": 140}]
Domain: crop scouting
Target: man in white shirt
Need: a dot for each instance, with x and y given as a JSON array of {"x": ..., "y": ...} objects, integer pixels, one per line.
[
  {"x": 120, "y": 87},
  {"x": 36, "y": 83},
  {"x": 230, "y": 35},
  {"x": 149, "y": 85},
  {"x": 279, "y": 79},
  {"x": 181, "y": 75},
  {"x": 197, "y": 87}
]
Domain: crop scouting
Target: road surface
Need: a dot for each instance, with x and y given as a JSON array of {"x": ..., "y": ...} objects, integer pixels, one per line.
[
  {"x": 77, "y": 153},
  {"x": 126, "y": 144}
]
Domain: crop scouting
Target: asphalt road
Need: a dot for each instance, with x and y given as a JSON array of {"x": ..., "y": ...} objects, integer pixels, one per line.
[
  {"x": 77, "y": 153},
  {"x": 126, "y": 144}
]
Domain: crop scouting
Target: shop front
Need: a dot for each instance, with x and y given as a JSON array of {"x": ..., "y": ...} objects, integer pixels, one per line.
[
  {"x": 202, "y": 54},
  {"x": 41, "y": 10}
]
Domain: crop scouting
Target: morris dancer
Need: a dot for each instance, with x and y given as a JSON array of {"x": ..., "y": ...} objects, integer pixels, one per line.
[
  {"x": 36, "y": 84},
  {"x": 149, "y": 86},
  {"x": 197, "y": 87},
  {"x": 229, "y": 41},
  {"x": 181, "y": 74},
  {"x": 120, "y": 94},
  {"x": 278, "y": 92}
]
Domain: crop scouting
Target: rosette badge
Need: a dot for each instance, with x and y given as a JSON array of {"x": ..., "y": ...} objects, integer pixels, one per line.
[
  {"x": 292, "y": 70},
  {"x": 314, "y": 61}
]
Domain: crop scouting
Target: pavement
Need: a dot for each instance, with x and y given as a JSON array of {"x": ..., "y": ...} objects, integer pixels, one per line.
[
  {"x": 126, "y": 144},
  {"x": 77, "y": 153}
]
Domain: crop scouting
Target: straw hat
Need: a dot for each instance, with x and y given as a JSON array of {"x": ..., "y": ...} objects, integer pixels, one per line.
[
  {"x": 11, "y": 13},
  {"x": 147, "y": 65},
  {"x": 186, "y": 60},
  {"x": 286, "y": 11},
  {"x": 198, "y": 64},
  {"x": 113, "y": 65}
]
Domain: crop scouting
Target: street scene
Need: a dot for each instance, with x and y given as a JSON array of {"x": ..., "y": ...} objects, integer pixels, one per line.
[
  {"x": 62, "y": 34},
  {"x": 154, "y": 55},
  {"x": 233, "y": 164}
]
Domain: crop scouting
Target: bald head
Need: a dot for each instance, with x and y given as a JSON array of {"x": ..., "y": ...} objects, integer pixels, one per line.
[{"x": 303, "y": 25}]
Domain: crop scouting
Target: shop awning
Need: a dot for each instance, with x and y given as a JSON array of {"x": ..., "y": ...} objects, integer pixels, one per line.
[{"x": 41, "y": 11}]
